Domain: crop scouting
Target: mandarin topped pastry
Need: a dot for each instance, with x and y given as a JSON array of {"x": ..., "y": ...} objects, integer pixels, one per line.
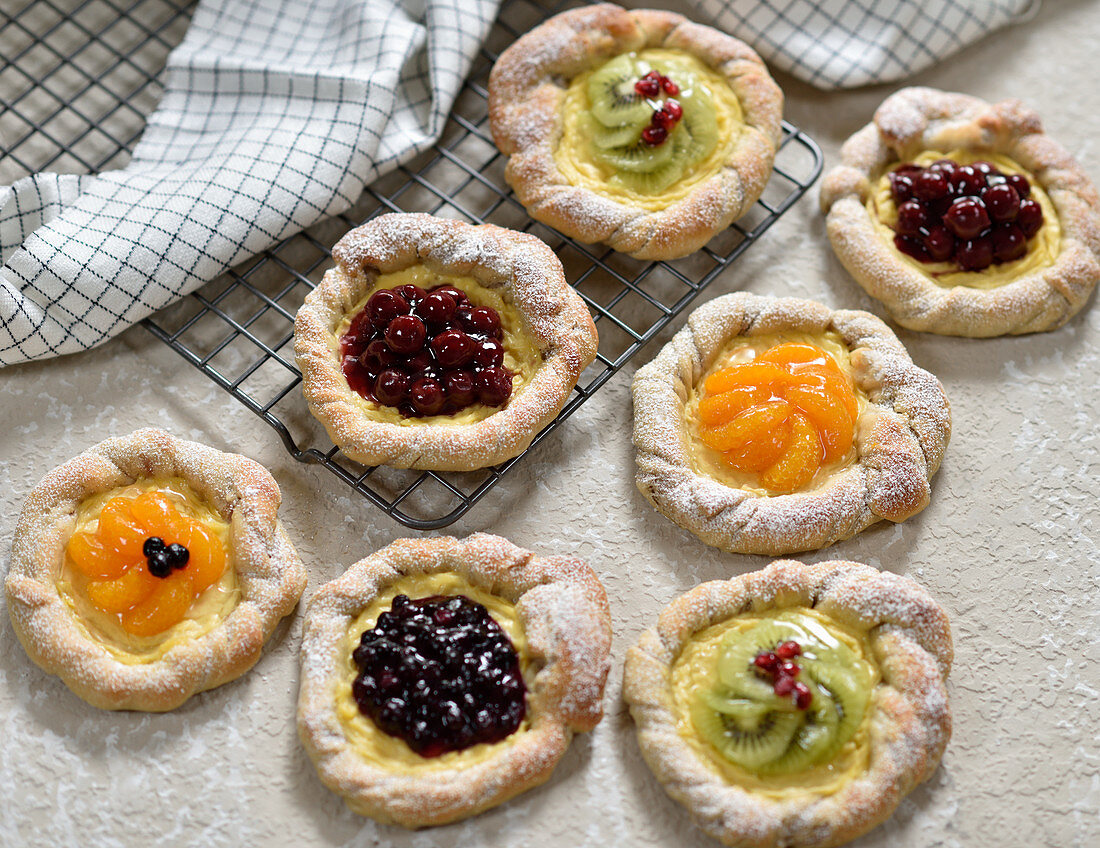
[
  {"x": 772, "y": 425},
  {"x": 441, "y": 677},
  {"x": 438, "y": 344},
  {"x": 963, "y": 217},
  {"x": 793, "y": 706},
  {"x": 150, "y": 568},
  {"x": 635, "y": 128}
]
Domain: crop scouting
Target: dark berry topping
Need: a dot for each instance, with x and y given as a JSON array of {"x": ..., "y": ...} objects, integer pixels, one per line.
[
  {"x": 160, "y": 558},
  {"x": 426, "y": 352},
  {"x": 159, "y": 564},
  {"x": 970, "y": 214},
  {"x": 152, "y": 545},
  {"x": 441, "y": 674},
  {"x": 178, "y": 555}
]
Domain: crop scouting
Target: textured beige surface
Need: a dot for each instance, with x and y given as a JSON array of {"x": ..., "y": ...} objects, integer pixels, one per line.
[{"x": 1008, "y": 545}]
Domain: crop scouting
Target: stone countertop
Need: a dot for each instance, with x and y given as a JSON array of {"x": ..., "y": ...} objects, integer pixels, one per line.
[{"x": 1008, "y": 546}]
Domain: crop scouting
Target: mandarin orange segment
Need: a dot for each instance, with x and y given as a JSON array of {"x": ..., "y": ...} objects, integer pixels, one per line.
[
  {"x": 94, "y": 559},
  {"x": 166, "y": 605},
  {"x": 718, "y": 409},
  {"x": 760, "y": 375},
  {"x": 801, "y": 460},
  {"x": 119, "y": 529},
  {"x": 155, "y": 512},
  {"x": 761, "y": 453},
  {"x": 127, "y": 591},
  {"x": 207, "y": 560},
  {"x": 750, "y": 425},
  {"x": 793, "y": 353},
  {"x": 829, "y": 417}
]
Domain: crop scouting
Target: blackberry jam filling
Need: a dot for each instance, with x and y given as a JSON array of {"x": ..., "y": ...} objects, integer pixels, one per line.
[
  {"x": 426, "y": 352},
  {"x": 973, "y": 215},
  {"x": 439, "y": 673}
]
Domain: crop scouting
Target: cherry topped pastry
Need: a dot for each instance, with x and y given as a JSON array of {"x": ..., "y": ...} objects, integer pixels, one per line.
[
  {"x": 426, "y": 352},
  {"x": 972, "y": 214}
]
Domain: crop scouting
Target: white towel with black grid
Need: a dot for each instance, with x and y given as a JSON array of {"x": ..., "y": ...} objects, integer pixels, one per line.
[
  {"x": 848, "y": 43},
  {"x": 275, "y": 115}
]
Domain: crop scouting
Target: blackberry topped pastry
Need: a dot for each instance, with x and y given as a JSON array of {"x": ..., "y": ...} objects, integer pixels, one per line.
[
  {"x": 964, "y": 217},
  {"x": 635, "y": 128},
  {"x": 441, "y": 677}
]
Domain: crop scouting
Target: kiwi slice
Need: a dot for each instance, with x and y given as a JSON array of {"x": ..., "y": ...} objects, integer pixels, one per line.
[
  {"x": 638, "y": 157},
  {"x": 612, "y": 99},
  {"x": 750, "y": 747},
  {"x": 816, "y": 739},
  {"x": 607, "y": 138}
]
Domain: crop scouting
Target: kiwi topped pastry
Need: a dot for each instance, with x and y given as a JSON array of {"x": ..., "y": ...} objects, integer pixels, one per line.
[
  {"x": 150, "y": 568},
  {"x": 772, "y": 425},
  {"x": 441, "y": 677},
  {"x": 793, "y": 706},
  {"x": 437, "y": 344},
  {"x": 635, "y": 128},
  {"x": 964, "y": 217}
]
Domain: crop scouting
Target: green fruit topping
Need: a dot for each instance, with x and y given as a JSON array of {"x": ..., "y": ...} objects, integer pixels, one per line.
[
  {"x": 789, "y": 695},
  {"x": 639, "y": 130}
]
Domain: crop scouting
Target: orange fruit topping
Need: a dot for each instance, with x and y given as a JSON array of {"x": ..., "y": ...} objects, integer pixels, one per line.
[
  {"x": 121, "y": 580},
  {"x": 782, "y": 415}
]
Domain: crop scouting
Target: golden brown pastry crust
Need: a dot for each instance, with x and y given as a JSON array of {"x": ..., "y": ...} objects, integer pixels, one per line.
[
  {"x": 900, "y": 436},
  {"x": 520, "y": 266},
  {"x": 526, "y": 90},
  {"x": 269, "y": 572},
  {"x": 910, "y": 720},
  {"x": 563, "y": 610},
  {"x": 918, "y": 119}
]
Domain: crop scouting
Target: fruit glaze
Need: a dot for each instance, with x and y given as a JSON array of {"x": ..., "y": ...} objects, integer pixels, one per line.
[
  {"x": 441, "y": 674},
  {"x": 146, "y": 562},
  {"x": 426, "y": 352},
  {"x": 972, "y": 214},
  {"x": 783, "y": 415}
]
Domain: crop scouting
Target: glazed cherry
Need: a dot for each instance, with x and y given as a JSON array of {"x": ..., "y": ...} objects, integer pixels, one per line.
[
  {"x": 1030, "y": 217},
  {"x": 654, "y": 135},
  {"x": 453, "y": 348},
  {"x": 391, "y": 387},
  {"x": 768, "y": 660},
  {"x": 1020, "y": 183},
  {"x": 777, "y": 668},
  {"x": 1009, "y": 243},
  {"x": 788, "y": 650},
  {"x": 409, "y": 362},
  {"x": 912, "y": 216},
  {"x": 385, "y": 305},
  {"x": 939, "y": 243},
  {"x": 1002, "y": 201},
  {"x": 441, "y": 674},
  {"x": 901, "y": 187},
  {"x": 974, "y": 254},
  {"x": 930, "y": 185},
  {"x": 438, "y": 307},
  {"x": 406, "y": 334},
  {"x": 966, "y": 217},
  {"x": 494, "y": 386},
  {"x": 968, "y": 182},
  {"x": 427, "y": 396},
  {"x": 649, "y": 85}
]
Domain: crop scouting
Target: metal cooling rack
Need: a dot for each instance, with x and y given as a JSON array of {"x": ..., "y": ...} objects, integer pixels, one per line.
[{"x": 98, "y": 62}]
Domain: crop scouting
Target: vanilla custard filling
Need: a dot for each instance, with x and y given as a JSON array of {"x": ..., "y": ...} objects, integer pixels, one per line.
[
  {"x": 521, "y": 356},
  {"x": 706, "y": 461},
  {"x": 208, "y": 610},
  {"x": 1042, "y": 248},
  {"x": 695, "y": 670},
  {"x": 577, "y": 163},
  {"x": 390, "y": 752}
]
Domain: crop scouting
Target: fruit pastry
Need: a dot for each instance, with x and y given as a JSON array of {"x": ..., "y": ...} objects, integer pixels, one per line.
[
  {"x": 440, "y": 345},
  {"x": 149, "y": 568},
  {"x": 639, "y": 129},
  {"x": 963, "y": 217},
  {"x": 441, "y": 677},
  {"x": 793, "y": 706},
  {"x": 772, "y": 425}
]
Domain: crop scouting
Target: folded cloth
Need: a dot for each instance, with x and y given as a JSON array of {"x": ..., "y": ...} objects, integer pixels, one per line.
[
  {"x": 275, "y": 114},
  {"x": 848, "y": 43}
]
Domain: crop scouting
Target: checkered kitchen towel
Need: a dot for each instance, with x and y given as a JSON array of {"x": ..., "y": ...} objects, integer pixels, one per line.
[
  {"x": 276, "y": 114},
  {"x": 847, "y": 43}
]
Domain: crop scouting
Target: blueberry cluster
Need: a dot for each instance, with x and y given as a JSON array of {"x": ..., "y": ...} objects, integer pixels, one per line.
[
  {"x": 439, "y": 673},
  {"x": 162, "y": 558},
  {"x": 972, "y": 214},
  {"x": 426, "y": 352}
]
